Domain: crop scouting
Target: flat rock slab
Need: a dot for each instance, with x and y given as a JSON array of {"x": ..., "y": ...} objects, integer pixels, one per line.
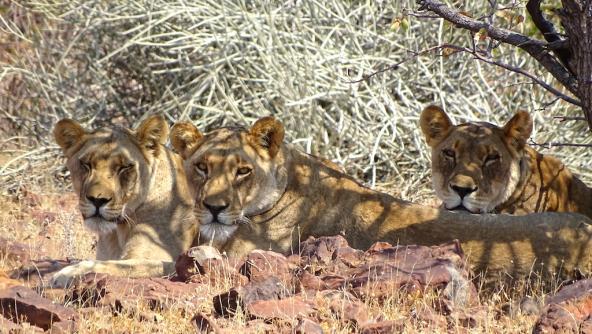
[
  {"x": 229, "y": 302},
  {"x": 122, "y": 293},
  {"x": 261, "y": 264},
  {"x": 568, "y": 311},
  {"x": 283, "y": 309},
  {"x": 21, "y": 303}
]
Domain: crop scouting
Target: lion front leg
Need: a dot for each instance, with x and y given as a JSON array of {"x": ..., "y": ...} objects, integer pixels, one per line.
[{"x": 125, "y": 268}]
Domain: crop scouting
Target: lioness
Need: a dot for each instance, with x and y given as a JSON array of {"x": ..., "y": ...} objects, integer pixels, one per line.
[
  {"x": 133, "y": 193},
  {"x": 253, "y": 191},
  {"x": 481, "y": 167}
]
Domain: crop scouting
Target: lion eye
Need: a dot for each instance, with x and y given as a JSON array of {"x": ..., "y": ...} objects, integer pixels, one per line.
[
  {"x": 243, "y": 171},
  {"x": 491, "y": 158},
  {"x": 202, "y": 168},
  {"x": 448, "y": 153}
]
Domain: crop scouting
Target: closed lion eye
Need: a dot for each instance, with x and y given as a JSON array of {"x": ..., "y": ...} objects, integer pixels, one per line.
[
  {"x": 491, "y": 158},
  {"x": 85, "y": 165},
  {"x": 125, "y": 168},
  {"x": 448, "y": 153}
]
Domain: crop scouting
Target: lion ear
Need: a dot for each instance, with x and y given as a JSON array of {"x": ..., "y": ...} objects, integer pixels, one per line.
[
  {"x": 268, "y": 133},
  {"x": 184, "y": 138},
  {"x": 68, "y": 133},
  {"x": 518, "y": 129},
  {"x": 153, "y": 132},
  {"x": 434, "y": 124}
]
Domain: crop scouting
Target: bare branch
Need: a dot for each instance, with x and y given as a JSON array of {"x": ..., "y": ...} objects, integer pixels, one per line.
[
  {"x": 534, "y": 78},
  {"x": 396, "y": 66},
  {"x": 549, "y": 33},
  {"x": 478, "y": 55},
  {"x": 554, "y": 144},
  {"x": 562, "y": 119},
  {"x": 537, "y": 49}
]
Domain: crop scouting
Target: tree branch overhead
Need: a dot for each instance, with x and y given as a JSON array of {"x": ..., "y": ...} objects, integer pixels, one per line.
[{"x": 537, "y": 49}]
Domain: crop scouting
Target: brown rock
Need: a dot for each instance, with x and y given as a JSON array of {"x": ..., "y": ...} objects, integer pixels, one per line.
[
  {"x": 307, "y": 326},
  {"x": 469, "y": 317},
  {"x": 20, "y": 303},
  {"x": 284, "y": 309},
  {"x": 204, "y": 324},
  {"x": 310, "y": 281},
  {"x": 349, "y": 256},
  {"x": 320, "y": 250},
  {"x": 569, "y": 311},
  {"x": 63, "y": 327},
  {"x": 256, "y": 326},
  {"x": 270, "y": 289},
  {"x": 15, "y": 251},
  {"x": 191, "y": 262},
  {"x": 571, "y": 291},
  {"x": 345, "y": 306},
  {"x": 227, "y": 303},
  {"x": 204, "y": 264},
  {"x": 383, "y": 327},
  {"x": 353, "y": 312},
  {"x": 220, "y": 272},
  {"x": 430, "y": 317},
  {"x": 261, "y": 264},
  {"x": 7, "y": 326},
  {"x": 379, "y": 246},
  {"x": 127, "y": 293}
]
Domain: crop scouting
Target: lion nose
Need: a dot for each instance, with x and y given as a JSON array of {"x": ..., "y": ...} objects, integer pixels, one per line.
[
  {"x": 463, "y": 191},
  {"x": 215, "y": 209},
  {"x": 98, "y": 201}
]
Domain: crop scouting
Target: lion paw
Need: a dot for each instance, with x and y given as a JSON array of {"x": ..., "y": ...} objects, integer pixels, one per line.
[{"x": 65, "y": 277}]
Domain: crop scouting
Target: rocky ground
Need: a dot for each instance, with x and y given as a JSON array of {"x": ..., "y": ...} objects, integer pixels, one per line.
[{"x": 326, "y": 287}]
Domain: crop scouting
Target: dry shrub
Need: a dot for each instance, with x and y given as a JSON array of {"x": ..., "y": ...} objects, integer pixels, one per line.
[{"x": 218, "y": 62}]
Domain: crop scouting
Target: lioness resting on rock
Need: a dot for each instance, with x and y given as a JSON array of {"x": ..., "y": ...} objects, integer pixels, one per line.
[
  {"x": 132, "y": 193},
  {"x": 481, "y": 167},
  {"x": 253, "y": 191}
]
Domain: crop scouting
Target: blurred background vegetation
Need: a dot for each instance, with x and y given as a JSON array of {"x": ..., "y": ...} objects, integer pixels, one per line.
[{"x": 219, "y": 62}]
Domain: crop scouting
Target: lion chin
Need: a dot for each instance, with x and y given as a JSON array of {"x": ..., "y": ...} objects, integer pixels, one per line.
[
  {"x": 100, "y": 225},
  {"x": 216, "y": 232}
]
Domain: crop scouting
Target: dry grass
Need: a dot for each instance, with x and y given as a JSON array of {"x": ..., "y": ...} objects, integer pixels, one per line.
[{"x": 219, "y": 62}]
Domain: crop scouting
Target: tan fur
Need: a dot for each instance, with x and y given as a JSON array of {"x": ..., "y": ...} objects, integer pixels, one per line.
[
  {"x": 147, "y": 219},
  {"x": 507, "y": 175},
  {"x": 290, "y": 195}
]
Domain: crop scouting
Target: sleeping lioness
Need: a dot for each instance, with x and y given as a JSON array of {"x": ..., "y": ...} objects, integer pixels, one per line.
[
  {"x": 481, "y": 167},
  {"x": 132, "y": 193},
  {"x": 253, "y": 191}
]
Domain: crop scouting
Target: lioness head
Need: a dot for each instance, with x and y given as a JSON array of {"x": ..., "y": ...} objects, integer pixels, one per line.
[
  {"x": 110, "y": 168},
  {"x": 475, "y": 166},
  {"x": 234, "y": 173}
]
